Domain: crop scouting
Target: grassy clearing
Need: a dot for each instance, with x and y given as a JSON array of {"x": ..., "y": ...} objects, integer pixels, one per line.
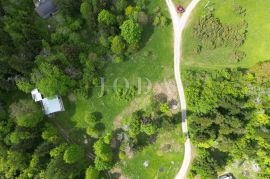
[
  {"x": 162, "y": 164},
  {"x": 257, "y": 43},
  {"x": 153, "y": 62},
  {"x": 239, "y": 168}
]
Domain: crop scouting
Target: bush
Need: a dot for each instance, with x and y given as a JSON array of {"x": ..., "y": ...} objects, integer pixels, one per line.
[
  {"x": 118, "y": 45},
  {"x": 90, "y": 118},
  {"x": 133, "y": 48},
  {"x": 91, "y": 173},
  {"x": 122, "y": 155},
  {"x": 239, "y": 10},
  {"x": 92, "y": 132},
  {"x": 118, "y": 59},
  {"x": 126, "y": 94},
  {"x": 197, "y": 49},
  {"x": 73, "y": 154},
  {"x": 131, "y": 31},
  {"x": 105, "y": 17},
  {"x": 238, "y": 55},
  {"x": 26, "y": 113}
]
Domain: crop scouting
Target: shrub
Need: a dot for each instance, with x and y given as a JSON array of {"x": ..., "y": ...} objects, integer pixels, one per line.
[
  {"x": 239, "y": 10},
  {"x": 91, "y": 173},
  {"x": 238, "y": 55},
  {"x": 92, "y": 132},
  {"x": 73, "y": 154},
  {"x": 118, "y": 59},
  {"x": 131, "y": 31},
  {"x": 118, "y": 45},
  {"x": 126, "y": 94},
  {"x": 122, "y": 155},
  {"x": 105, "y": 17}
]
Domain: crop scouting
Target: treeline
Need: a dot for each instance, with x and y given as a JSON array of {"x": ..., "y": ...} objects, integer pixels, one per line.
[{"x": 228, "y": 117}]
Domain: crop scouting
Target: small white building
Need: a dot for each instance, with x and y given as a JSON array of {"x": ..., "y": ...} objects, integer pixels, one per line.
[
  {"x": 50, "y": 106},
  {"x": 36, "y": 95}
]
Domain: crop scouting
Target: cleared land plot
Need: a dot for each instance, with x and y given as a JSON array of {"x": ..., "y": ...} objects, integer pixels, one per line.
[
  {"x": 257, "y": 43},
  {"x": 163, "y": 158}
]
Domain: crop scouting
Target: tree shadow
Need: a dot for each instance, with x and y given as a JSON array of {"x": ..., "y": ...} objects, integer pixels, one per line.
[
  {"x": 98, "y": 115},
  {"x": 147, "y": 33}
]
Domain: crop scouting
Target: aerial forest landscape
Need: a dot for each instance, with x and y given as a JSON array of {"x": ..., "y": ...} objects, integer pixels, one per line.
[{"x": 135, "y": 89}]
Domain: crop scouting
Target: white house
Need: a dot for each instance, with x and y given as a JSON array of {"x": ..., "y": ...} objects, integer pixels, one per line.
[{"x": 50, "y": 106}]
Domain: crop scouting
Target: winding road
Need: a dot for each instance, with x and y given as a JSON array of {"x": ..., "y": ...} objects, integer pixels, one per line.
[{"x": 179, "y": 24}]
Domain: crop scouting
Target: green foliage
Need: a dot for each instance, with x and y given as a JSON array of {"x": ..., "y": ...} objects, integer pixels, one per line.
[
  {"x": 164, "y": 108},
  {"x": 118, "y": 45},
  {"x": 57, "y": 151},
  {"x": 118, "y": 59},
  {"x": 50, "y": 133},
  {"x": 160, "y": 19},
  {"x": 17, "y": 136},
  {"x": 122, "y": 155},
  {"x": 103, "y": 152},
  {"x": 74, "y": 153},
  {"x": 205, "y": 166},
  {"x": 107, "y": 138},
  {"x": 90, "y": 119},
  {"x": 121, "y": 5},
  {"x": 51, "y": 81},
  {"x": 229, "y": 112},
  {"x": 85, "y": 10},
  {"x": 131, "y": 31},
  {"x": 126, "y": 94},
  {"x": 91, "y": 173},
  {"x": 238, "y": 55},
  {"x": 101, "y": 165},
  {"x": 92, "y": 132},
  {"x": 149, "y": 129},
  {"x": 107, "y": 18},
  {"x": 134, "y": 128},
  {"x": 24, "y": 85},
  {"x": 26, "y": 113}
]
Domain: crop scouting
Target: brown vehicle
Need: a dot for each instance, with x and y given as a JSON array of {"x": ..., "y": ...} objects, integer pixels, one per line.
[{"x": 180, "y": 9}]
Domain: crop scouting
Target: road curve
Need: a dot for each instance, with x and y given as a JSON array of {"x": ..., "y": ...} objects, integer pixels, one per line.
[{"x": 179, "y": 24}]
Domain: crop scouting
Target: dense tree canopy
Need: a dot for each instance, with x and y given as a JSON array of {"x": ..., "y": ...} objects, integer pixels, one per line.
[
  {"x": 73, "y": 153},
  {"x": 229, "y": 113},
  {"x": 131, "y": 31},
  {"x": 26, "y": 113}
]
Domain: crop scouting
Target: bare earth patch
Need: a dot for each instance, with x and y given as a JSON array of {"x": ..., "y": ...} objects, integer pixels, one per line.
[
  {"x": 117, "y": 173},
  {"x": 136, "y": 104},
  {"x": 167, "y": 88}
]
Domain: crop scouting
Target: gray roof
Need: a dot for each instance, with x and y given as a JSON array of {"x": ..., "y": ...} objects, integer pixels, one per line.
[
  {"x": 51, "y": 106},
  {"x": 45, "y": 8}
]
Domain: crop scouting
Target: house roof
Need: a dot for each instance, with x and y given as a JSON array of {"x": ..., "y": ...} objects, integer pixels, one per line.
[
  {"x": 36, "y": 95},
  {"x": 51, "y": 106},
  {"x": 45, "y": 8}
]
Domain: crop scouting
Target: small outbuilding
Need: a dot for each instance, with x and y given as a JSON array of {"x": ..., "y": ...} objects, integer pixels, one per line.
[
  {"x": 45, "y": 8},
  {"x": 36, "y": 95},
  {"x": 49, "y": 106}
]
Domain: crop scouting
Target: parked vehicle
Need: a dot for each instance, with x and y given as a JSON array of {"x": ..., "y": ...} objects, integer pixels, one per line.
[
  {"x": 226, "y": 176},
  {"x": 180, "y": 9}
]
